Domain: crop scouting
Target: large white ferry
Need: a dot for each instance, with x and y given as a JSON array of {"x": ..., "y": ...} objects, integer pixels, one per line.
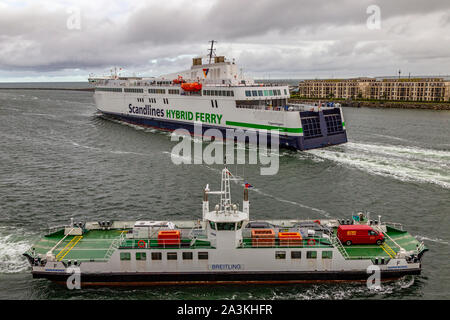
[
  {"x": 216, "y": 94},
  {"x": 225, "y": 246}
]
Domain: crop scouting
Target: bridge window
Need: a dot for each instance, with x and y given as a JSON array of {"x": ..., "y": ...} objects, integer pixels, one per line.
[
  {"x": 280, "y": 254},
  {"x": 141, "y": 256},
  {"x": 156, "y": 256},
  {"x": 296, "y": 254},
  {"x": 227, "y": 226},
  {"x": 327, "y": 254},
  {"x": 248, "y": 93},
  {"x": 255, "y": 93},
  {"x": 260, "y": 93},
  {"x": 125, "y": 256},
  {"x": 203, "y": 256},
  {"x": 311, "y": 254}
]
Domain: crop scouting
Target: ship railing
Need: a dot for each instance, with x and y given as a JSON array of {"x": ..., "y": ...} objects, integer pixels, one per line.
[
  {"x": 394, "y": 224},
  {"x": 166, "y": 243},
  {"x": 57, "y": 228},
  {"x": 309, "y": 242}
]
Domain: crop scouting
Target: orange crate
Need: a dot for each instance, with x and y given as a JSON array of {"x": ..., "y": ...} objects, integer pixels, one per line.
[
  {"x": 169, "y": 237},
  {"x": 263, "y": 238},
  {"x": 290, "y": 239}
]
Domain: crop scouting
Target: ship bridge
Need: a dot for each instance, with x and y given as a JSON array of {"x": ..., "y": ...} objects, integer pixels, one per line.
[{"x": 224, "y": 224}]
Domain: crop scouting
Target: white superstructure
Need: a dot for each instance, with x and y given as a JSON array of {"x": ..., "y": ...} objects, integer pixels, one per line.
[{"x": 214, "y": 93}]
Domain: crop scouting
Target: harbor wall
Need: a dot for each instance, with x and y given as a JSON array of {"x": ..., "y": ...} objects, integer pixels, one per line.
[{"x": 381, "y": 104}]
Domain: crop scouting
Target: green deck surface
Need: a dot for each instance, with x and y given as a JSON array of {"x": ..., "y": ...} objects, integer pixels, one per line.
[
  {"x": 94, "y": 245},
  {"x": 388, "y": 250}
]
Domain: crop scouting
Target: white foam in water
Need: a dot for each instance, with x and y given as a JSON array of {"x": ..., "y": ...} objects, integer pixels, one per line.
[
  {"x": 11, "y": 249},
  {"x": 405, "y": 163},
  {"x": 421, "y": 238}
]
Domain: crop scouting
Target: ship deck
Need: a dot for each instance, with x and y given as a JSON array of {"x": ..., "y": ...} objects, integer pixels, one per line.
[
  {"x": 97, "y": 245},
  {"x": 388, "y": 249},
  {"x": 91, "y": 246}
]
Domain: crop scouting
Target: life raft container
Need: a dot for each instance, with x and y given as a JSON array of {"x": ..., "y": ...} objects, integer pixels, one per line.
[{"x": 192, "y": 86}]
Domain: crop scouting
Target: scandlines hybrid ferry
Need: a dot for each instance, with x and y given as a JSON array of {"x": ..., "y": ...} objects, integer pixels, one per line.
[
  {"x": 225, "y": 247},
  {"x": 214, "y": 93}
]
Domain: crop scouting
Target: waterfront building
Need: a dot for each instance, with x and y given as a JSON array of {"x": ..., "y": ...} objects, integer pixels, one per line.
[{"x": 410, "y": 89}]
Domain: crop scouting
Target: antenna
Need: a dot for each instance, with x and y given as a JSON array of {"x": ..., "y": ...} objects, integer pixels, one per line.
[{"x": 212, "y": 51}]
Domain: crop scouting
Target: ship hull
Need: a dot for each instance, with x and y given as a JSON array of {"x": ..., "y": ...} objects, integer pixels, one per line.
[
  {"x": 285, "y": 141},
  {"x": 155, "y": 279}
]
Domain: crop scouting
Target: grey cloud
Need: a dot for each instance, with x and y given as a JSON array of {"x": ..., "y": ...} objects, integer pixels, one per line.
[{"x": 271, "y": 33}]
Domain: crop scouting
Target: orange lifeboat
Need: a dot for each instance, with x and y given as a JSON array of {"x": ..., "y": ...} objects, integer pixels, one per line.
[{"x": 192, "y": 86}]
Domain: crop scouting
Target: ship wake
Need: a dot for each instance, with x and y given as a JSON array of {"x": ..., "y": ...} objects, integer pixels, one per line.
[
  {"x": 13, "y": 243},
  {"x": 405, "y": 163}
]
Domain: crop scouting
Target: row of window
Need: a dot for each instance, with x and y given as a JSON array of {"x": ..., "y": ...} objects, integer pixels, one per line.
[
  {"x": 134, "y": 90},
  {"x": 157, "y": 91},
  {"x": 153, "y": 100},
  {"x": 109, "y": 89},
  {"x": 219, "y": 93},
  {"x": 280, "y": 255},
  {"x": 298, "y": 254},
  {"x": 169, "y": 256},
  {"x": 174, "y": 91},
  {"x": 265, "y": 93}
]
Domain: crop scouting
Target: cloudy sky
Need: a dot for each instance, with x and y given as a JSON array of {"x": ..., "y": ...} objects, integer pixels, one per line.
[{"x": 65, "y": 40}]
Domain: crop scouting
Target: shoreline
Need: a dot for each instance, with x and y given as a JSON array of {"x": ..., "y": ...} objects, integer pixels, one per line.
[
  {"x": 58, "y": 89},
  {"x": 382, "y": 104}
]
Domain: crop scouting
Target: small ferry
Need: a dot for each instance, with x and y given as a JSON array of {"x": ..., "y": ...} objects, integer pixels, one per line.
[
  {"x": 215, "y": 94},
  {"x": 225, "y": 246}
]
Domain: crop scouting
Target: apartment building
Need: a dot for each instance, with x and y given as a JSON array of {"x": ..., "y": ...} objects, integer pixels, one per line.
[{"x": 408, "y": 89}]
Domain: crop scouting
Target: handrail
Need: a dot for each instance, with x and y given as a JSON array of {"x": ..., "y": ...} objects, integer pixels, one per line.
[
  {"x": 335, "y": 240},
  {"x": 275, "y": 243},
  {"x": 53, "y": 229},
  {"x": 114, "y": 245}
]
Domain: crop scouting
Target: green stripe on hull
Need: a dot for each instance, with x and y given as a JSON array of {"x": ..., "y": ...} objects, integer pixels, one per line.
[{"x": 261, "y": 126}]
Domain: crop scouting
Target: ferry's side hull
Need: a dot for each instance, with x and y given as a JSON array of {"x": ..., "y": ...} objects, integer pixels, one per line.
[
  {"x": 288, "y": 141},
  {"x": 180, "y": 278}
]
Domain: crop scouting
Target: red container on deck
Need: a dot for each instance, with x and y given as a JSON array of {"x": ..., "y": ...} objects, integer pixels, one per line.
[
  {"x": 290, "y": 239},
  {"x": 169, "y": 237},
  {"x": 263, "y": 238}
]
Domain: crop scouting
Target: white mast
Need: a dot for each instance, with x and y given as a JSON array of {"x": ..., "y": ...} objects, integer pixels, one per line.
[{"x": 225, "y": 195}]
